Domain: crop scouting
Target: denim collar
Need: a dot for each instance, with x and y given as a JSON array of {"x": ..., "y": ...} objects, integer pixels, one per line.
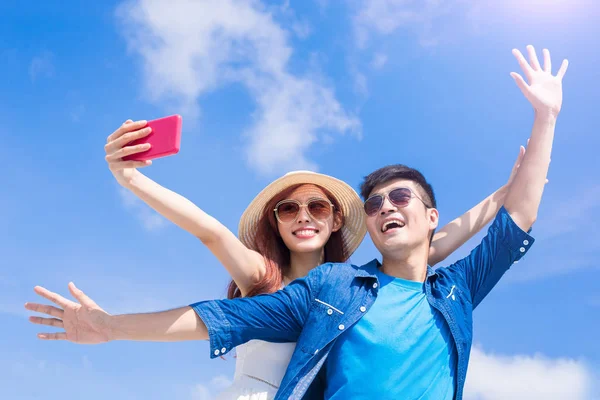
[{"x": 369, "y": 270}]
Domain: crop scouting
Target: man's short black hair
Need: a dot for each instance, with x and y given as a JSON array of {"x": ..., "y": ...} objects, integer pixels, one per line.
[{"x": 398, "y": 171}]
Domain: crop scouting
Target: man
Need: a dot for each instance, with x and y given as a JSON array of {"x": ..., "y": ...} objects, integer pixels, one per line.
[{"x": 393, "y": 330}]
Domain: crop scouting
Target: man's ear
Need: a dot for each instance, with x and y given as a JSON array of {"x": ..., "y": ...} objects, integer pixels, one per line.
[{"x": 434, "y": 218}]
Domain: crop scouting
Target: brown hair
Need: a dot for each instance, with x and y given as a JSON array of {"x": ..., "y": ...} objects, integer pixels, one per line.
[{"x": 269, "y": 244}]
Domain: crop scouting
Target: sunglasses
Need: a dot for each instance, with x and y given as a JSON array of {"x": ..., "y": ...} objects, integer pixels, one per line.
[
  {"x": 288, "y": 210},
  {"x": 400, "y": 197}
]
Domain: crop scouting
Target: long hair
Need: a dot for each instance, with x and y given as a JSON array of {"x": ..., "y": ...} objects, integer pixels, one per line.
[{"x": 270, "y": 245}]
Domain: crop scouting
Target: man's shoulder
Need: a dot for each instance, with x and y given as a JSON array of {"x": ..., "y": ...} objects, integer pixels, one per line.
[
  {"x": 346, "y": 270},
  {"x": 330, "y": 278}
]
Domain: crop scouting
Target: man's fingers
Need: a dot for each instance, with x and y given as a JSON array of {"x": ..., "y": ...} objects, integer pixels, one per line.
[
  {"x": 45, "y": 309},
  {"x": 53, "y": 336},
  {"x": 523, "y": 63},
  {"x": 547, "y": 61},
  {"x": 47, "y": 321},
  {"x": 79, "y": 295},
  {"x": 533, "y": 60},
  {"x": 563, "y": 69},
  {"x": 53, "y": 297},
  {"x": 520, "y": 83}
]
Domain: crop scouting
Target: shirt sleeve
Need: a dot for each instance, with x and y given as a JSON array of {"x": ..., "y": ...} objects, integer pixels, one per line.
[
  {"x": 505, "y": 244},
  {"x": 276, "y": 317}
]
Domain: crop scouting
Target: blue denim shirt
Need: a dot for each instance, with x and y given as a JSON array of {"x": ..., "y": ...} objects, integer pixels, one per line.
[{"x": 315, "y": 310}]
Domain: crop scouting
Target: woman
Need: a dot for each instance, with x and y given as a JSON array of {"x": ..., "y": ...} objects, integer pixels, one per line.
[{"x": 296, "y": 223}]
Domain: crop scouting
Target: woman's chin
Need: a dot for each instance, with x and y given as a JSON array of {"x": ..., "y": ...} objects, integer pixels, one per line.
[{"x": 306, "y": 245}]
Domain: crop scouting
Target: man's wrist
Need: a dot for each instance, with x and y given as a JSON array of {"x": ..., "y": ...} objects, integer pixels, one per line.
[
  {"x": 546, "y": 116},
  {"x": 113, "y": 332}
]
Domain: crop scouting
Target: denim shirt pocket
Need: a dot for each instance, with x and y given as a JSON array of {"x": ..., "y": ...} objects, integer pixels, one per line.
[
  {"x": 324, "y": 319},
  {"x": 458, "y": 301}
]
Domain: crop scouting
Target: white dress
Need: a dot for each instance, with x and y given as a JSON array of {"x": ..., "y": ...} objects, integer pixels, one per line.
[{"x": 259, "y": 369}]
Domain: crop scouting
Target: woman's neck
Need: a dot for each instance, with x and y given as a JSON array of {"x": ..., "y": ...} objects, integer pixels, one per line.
[{"x": 302, "y": 263}]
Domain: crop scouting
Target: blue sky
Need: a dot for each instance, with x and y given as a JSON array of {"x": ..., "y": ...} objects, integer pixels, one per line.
[{"x": 342, "y": 87}]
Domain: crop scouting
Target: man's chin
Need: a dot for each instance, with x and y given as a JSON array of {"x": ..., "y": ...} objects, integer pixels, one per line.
[
  {"x": 393, "y": 244},
  {"x": 395, "y": 239}
]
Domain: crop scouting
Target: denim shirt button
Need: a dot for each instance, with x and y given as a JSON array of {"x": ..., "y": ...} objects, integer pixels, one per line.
[
  {"x": 522, "y": 249},
  {"x": 375, "y": 285},
  {"x": 341, "y": 327},
  {"x": 216, "y": 352},
  {"x": 316, "y": 351},
  {"x": 329, "y": 312},
  {"x": 363, "y": 309},
  {"x": 223, "y": 350},
  {"x": 525, "y": 242}
]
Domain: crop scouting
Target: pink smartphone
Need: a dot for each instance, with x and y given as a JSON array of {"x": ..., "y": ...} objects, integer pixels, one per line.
[{"x": 165, "y": 139}]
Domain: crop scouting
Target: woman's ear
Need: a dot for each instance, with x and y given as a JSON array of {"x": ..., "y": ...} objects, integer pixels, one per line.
[{"x": 337, "y": 222}]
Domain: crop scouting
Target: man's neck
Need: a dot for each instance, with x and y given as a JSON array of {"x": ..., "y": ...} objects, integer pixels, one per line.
[{"x": 412, "y": 266}]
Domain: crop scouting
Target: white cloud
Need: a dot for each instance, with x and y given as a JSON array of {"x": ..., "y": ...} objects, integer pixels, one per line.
[
  {"x": 150, "y": 219},
  {"x": 433, "y": 22},
  {"x": 191, "y": 48},
  {"x": 566, "y": 241},
  {"x": 42, "y": 65},
  {"x": 220, "y": 382},
  {"x": 217, "y": 384},
  {"x": 201, "y": 392},
  {"x": 301, "y": 28},
  {"x": 495, "y": 377},
  {"x": 568, "y": 215},
  {"x": 379, "y": 60},
  {"x": 426, "y": 19},
  {"x": 373, "y": 20}
]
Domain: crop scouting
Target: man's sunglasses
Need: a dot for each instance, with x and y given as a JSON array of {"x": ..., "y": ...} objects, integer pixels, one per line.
[
  {"x": 400, "y": 197},
  {"x": 288, "y": 210}
]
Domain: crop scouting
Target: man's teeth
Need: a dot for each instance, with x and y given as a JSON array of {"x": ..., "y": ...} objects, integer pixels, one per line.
[{"x": 391, "y": 225}]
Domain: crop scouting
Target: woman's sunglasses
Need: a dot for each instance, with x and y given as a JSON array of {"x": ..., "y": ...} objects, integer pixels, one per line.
[
  {"x": 288, "y": 210},
  {"x": 400, "y": 197}
]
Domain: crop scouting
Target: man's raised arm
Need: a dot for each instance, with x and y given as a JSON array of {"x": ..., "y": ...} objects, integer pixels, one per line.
[{"x": 544, "y": 92}]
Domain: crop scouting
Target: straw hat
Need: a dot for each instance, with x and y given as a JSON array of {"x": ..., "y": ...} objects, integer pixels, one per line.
[{"x": 354, "y": 228}]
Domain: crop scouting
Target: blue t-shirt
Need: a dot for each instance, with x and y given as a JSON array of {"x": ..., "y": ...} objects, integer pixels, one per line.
[{"x": 401, "y": 349}]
